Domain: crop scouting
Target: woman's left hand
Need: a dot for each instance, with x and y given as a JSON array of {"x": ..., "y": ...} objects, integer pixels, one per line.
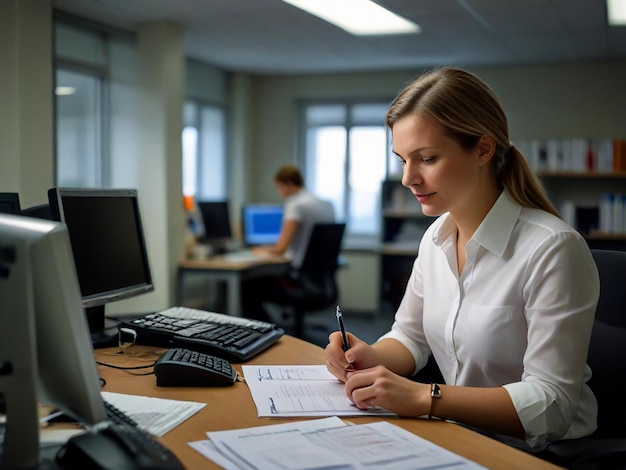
[{"x": 378, "y": 386}]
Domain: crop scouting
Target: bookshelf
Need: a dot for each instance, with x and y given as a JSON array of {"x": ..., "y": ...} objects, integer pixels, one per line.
[
  {"x": 586, "y": 180},
  {"x": 592, "y": 202},
  {"x": 403, "y": 225}
]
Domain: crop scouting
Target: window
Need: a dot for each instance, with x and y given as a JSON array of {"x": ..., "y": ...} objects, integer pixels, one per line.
[
  {"x": 80, "y": 69},
  {"x": 97, "y": 113},
  {"x": 204, "y": 152},
  {"x": 79, "y": 129},
  {"x": 205, "y": 132},
  {"x": 346, "y": 158},
  {"x": 96, "y": 102}
]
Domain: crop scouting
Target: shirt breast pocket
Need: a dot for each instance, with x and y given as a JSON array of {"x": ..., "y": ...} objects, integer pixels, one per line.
[{"x": 494, "y": 334}]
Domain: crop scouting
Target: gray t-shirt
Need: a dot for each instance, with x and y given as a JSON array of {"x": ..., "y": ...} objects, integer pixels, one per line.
[{"x": 307, "y": 209}]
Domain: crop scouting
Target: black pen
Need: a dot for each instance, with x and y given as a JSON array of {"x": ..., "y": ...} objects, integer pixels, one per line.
[
  {"x": 344, "y": 339},
  {"x": 345, "y": 345}
]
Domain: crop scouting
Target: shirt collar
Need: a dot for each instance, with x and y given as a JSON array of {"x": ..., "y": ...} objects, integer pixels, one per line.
[
  {"x": 295, "y": 195},
  {"x": 494, "y": 231}
]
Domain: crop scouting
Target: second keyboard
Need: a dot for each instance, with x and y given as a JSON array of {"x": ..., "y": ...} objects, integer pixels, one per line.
[{"x": 235, "y": 339}]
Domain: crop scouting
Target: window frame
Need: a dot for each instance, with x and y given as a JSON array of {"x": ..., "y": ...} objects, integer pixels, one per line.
[
  {"x": 199, "y": 104},
  {"x": 103, "y": 158},
  {"x": 99, "y": 68},
  {"x": 352, "y": 240}
]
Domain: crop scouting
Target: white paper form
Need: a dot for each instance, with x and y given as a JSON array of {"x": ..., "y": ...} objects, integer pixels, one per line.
[
  {"x": 380, "y": 446},
  {"x": 229, "y": 460},
  {"x": 208, "y": 449},
  {"x": 154, "y": 415},
  {"x": 299, "y": 391}
]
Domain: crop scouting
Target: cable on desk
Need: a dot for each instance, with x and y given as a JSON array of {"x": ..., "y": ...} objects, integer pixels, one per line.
[{"x": 128, "y": 368}]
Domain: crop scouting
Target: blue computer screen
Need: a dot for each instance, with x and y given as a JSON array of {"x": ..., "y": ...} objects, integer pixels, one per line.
[{"x": 261, "y": 223}]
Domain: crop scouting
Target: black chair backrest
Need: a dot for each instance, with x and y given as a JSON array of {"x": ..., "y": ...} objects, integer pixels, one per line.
[
  {"x": 315, "y": 286},
  {"x": 612, "y": 271},
  {"x": 42, "y": 211},
  {"x": 607, "y": 350},
  {"x": 316, "y": 276},
  {"x": 322, "y": 253}
]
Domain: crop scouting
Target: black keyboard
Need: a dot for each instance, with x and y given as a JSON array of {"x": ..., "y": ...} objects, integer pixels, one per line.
[
  {"x": 181, "y": 367},
  {"x": 117, "y": 416},
  {"x": 235, "y": 339}
]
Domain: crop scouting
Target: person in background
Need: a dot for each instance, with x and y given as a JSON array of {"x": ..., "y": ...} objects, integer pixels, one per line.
[
  {"x": 302, "y": 210},
  {"x": 502, "y": 293}
]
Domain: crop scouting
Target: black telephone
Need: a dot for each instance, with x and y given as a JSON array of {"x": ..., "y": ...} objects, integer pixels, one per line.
[{"x": 116, "y": 447}]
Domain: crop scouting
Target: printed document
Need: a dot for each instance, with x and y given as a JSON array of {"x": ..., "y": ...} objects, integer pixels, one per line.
[
  {"x": 300, "y": 391},
  {"x": 227, "y": 459},
  {"x": 328, "y": 444},
  {"x": 154, "y": 415}
]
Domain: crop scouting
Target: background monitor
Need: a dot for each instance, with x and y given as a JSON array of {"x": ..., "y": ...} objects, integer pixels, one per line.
[
  {"x": 109, "y": 250},
  {"x": 45, "y": 351},
  {"x": 10, "y": 203},
  {"x": 216, "y": 221},
  {"x": 261, "y": 223}
]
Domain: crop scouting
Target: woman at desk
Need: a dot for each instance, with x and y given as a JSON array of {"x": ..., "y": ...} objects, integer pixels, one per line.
[
  {"x": 503, "y": 292},
  {"x": 302, "y": 210}
]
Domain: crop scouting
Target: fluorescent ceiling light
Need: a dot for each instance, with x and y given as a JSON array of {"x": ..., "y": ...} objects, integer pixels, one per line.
[
  {"x": 617, "y": 12},
  {"x": 64, "y": 90},
  {"x": 359, "y": 17}
]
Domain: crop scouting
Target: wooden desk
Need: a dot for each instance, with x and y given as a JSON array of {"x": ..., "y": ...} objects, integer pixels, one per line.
[
  {"x": 219, "y": 268},
  {"x": 232, "y": 408}
]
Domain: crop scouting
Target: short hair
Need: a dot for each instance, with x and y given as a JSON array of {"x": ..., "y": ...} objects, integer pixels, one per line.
[{"x": 289, "y": 174}]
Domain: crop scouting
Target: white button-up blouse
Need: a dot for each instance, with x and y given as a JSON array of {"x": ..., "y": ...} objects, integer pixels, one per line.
[{"x": 519, "y": 315}]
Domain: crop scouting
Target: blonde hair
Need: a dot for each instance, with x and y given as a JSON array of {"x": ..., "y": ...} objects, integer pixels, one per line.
[{"x": 467, "y": 109}]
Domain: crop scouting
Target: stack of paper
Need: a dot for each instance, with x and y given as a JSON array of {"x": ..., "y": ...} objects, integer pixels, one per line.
[{"x": 327, "y": 443}]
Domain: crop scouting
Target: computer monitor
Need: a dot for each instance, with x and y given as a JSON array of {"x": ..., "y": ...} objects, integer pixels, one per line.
[
  {"x": 10, "y": 203},
  {"x": 216, "y": 221},
  {"x": 261, "y": 223},
  {"x": 109, "y": 250},
  {"x": 45, "y": 351}
]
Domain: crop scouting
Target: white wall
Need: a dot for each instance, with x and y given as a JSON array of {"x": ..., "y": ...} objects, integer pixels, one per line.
[{"x": 26, "y": 144}]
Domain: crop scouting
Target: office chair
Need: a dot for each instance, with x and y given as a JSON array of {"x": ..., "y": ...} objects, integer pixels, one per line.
[
  {"x": 42, "y": 211},
  {"x": 606, "y": 447},
  {"x": 314, "y": 284}
]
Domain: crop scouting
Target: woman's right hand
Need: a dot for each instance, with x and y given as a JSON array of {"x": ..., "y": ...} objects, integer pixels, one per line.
[{"x": 360, "y": 355}]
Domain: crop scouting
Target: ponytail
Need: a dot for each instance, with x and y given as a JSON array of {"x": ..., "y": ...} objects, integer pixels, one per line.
[{"x": 514, "y": 173}]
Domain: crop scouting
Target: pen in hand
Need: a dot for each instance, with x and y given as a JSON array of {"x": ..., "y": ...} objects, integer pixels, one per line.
[{"x": 344, "y": 339}]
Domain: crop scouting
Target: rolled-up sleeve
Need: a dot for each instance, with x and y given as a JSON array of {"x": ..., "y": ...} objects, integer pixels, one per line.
[{"x": 561, "y": 295}]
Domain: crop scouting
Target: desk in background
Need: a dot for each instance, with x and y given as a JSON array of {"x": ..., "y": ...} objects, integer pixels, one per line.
[
  {"x": 233, "y": 408},
  {"x": 219, "y": 268}
]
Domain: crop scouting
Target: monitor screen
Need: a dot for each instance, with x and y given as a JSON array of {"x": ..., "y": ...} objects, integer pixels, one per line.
[
  {"x": 261, "y": 223},
  {"x": 216, "y": 221},
  {"x": 109, "y": 249},
  {"x": 10, "y": 203},
  {"x": 45, "y": 348}
]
